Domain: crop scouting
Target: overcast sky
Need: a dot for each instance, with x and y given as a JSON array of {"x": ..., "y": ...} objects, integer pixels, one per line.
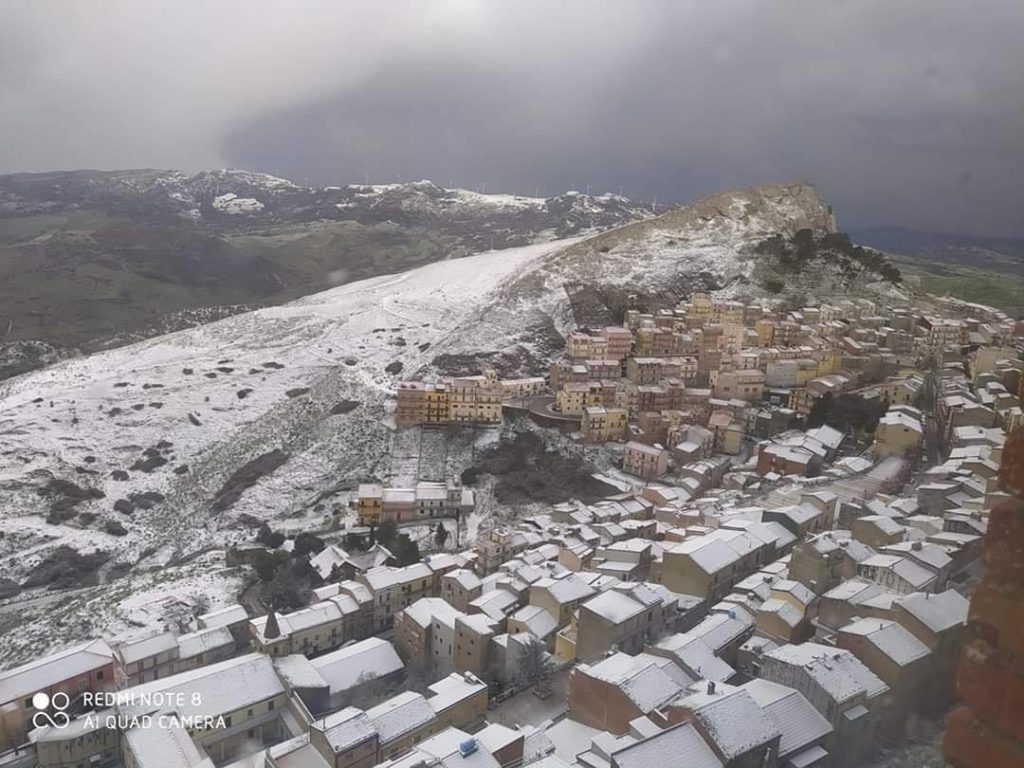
[{"x": 908, "y": 113}]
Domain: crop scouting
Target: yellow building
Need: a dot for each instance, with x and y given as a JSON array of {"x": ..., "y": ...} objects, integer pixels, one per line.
[
  {"x": 900, "y": 432},
  {"x": 602, "y": 424},
  {"x": 765, "y": 330},
  {"x": 577, "y": 396},
  {"x": 739, "y": 385}
]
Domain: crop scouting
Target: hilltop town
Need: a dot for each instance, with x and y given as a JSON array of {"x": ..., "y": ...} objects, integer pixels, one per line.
[{"x": 780, "y": 577}]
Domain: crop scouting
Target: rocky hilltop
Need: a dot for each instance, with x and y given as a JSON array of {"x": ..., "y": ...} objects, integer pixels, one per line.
[{"x": 716, "y": 245}]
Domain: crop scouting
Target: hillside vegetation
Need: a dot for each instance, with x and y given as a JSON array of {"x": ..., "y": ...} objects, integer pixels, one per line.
[{"x": 810, "y": 264}]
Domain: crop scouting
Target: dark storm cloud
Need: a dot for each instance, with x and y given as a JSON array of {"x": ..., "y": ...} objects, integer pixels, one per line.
[{"x": 909, "y": 113}]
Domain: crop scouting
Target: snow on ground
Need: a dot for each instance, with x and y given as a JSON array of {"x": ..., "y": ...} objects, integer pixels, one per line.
[
  {"x": 136, "y": 604},
  {"x": 84, "y": 419}
]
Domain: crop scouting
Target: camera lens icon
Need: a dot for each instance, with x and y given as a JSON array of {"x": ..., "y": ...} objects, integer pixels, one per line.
[{"x": 43, "y": 703}]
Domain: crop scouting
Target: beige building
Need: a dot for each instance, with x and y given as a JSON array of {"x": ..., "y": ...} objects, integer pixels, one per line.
[
  {"x": 84, "y": 741},
  {"x": 432, "y": 636},
  {"x": 245, "y": 691},
  {"x": 460, "y": 587},
  {"x": 394, "y": 589},
  {"x": 624, "y": 618},
  {"x": 738, "y": 385},
  {"x": 560, "y": 596},
  {"x": 877, "y": 530},
  {"x": 848, "y": 694},
  {"x": 601, "y": 425},
  {"x": 85, "y": 667},
  {"x": 709, "y": 566},
  {"x": 645, "y": 461},
  {"x": 427, "y": 500},
  {"x": 421, "y": 403},
  {"x": 898, "y": 658},
  {"x": 463, "y": 399},
  {"x": 940, "y": 622},
  {"x": 574, "y": 398},
  {"x": 900, "y": 432},
  {"x": 146, "y": 658}
]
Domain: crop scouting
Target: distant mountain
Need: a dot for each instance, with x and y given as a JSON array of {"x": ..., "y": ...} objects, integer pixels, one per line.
[
  {"x": 93, "y": 259},
  {"x": 962, "y": 250}
]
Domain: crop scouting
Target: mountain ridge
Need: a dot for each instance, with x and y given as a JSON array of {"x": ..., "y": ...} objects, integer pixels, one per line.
[{"x": 93, "y": 259}]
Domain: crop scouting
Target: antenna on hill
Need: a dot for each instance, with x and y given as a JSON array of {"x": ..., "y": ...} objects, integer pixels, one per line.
[
  {"x": 588, "y": 189},
  {"x": 654, "y": 205}
]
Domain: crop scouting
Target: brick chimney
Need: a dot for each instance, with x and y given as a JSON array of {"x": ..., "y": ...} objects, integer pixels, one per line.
[{"x": 987, "y": 731}]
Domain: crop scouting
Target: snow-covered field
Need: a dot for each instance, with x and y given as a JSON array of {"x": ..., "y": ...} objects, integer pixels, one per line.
[
  {"x": 32, "y": 626},
  {"x": 213, "y": 398},
  {"x": 84, "y": 419}
]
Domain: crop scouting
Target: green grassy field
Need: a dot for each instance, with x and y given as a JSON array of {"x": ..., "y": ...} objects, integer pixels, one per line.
[{"x": 998, "y": 289}]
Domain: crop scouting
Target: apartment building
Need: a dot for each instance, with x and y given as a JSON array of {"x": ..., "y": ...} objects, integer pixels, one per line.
[
  {"x": 748, "y": 385},
  {"x": 897, "y": 657},
  {"x": 245, "y": 691},
  {"x": 601, "y": 425},
  {"x": 427, "y": 500},
  {"x": 433, "y": 636},
  {"x": 645, "y": 461},
  {"x": 422, "y": 403},
  {"x": 843, "y": 690},
  {"x": 900, "y": 432},
  {"x": 709, "y": 566},
  {"x": 560, "y": 596},
  {"x": 939, "y": 621},
  {"x": 613, "y": 692},
  {"x": 462, "y": 399},
  {"x": 898, "y": 574},
  {"x": 460, "y": 587},
  {"x": 394, "y": 589},
  {"x": 146, "y": 658},
  {"x": 626, "y": 617}
]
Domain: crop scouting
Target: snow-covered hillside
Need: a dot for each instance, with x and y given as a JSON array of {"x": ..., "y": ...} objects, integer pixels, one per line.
[
  {"x": 705, "y": 246},
  {"x": 175, "y": 416},
  {"x": 158, "y": 451},
  {"x": 203, "y": 402}
]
